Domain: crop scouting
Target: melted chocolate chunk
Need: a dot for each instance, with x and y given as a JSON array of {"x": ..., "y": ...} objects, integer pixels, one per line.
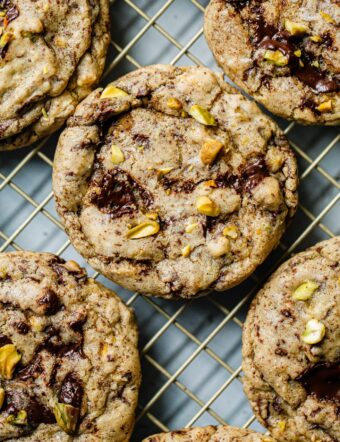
[
  {"x": 267, "y": 36},
  {"x": 262, "y": 28},
  {"x": 71, "y": 391},
  {"x": 17, "y": 398},
  {"x": 77, "y": 325},
  {"x": 56, "y": 347},
  {"x": 238, "y": 4},
  {"x": 280, "y": 41},
  {"x": 323, "y": 381},
  {"x": 22, "y": 327},
  {"x": 249, "y": 176},
  {"x": 254, "y": 173},
  {"x": 4, "y": 340},
  {"x": 119, "y": 194},
  {"x": 50, "y": 302},
  {"x": 31, "y": 371},
  {"x": 317, "y": 79}
]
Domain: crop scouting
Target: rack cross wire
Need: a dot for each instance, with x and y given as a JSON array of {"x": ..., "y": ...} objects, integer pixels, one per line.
[{"x": 191, "y": 351}]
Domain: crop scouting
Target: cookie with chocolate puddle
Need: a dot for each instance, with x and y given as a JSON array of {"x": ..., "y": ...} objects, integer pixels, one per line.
[
  {"x": 69, "y": 363},
  {"x": 285, "y": 54},
  {"x": 291, "y": 347},
  {"x": 171, "y": 183},
  {"x": 210, "y": 433}
]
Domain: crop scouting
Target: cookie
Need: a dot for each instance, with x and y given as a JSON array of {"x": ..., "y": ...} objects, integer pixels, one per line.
[
  {"x": 69, "y": 364},
  {"x": 210, "y": 434},
  {"x": 171, "y": 183},
  {"x": 52, "y": 56},
  {"x": 286, "y": 54},
  {"x": 291, "y": 348}
]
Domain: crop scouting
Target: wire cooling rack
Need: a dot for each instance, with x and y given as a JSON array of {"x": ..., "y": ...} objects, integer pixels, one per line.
[{"x": 191, "y": 351}]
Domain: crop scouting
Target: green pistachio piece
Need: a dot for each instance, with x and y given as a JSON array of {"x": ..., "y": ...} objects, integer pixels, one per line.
[
  {"x": 19, "y": 419},
  {"x": 9, "y": 357},
  {"x": 66, "y": 416},
  {"x": 202, "y": 115},
  {"x": 305, "y": 291}
]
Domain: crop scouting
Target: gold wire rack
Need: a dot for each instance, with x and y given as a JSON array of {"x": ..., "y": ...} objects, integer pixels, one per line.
[{"x": 190, "y": 350}]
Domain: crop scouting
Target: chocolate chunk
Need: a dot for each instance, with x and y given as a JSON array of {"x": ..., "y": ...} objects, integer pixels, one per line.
[
  {"x": 4, "y": 340},
  {"x": 280, "y": 41},
  {"x": 17, "y": 398},
  {"x": 30, "y": 371},
  {"x": 71, "y": 391},
  {"x": 177, "y": 186},
  {"x": 238, "y": 4},
  {"x": 50, "y": 302},
  {"x": 318, "y": 80},
  {"x": 119, "y": 193},
  {"x": 262, "y": 28},
  {"x": 323, "y": 381},
  {"x": 254, "y": 173},
  {"x": 22, "y": 327}
]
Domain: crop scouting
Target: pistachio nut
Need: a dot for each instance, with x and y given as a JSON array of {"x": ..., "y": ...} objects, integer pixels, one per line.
[
  {"x": 314, "y": 332},
  {"x": 326, "y": 106},
  {"x": 210, "y": 150},
  {"x": 186, "y": 251},
  {"x": 295, "y": 28},
  {"x": 66, "y": 416},
  {"x": 9, "y": 357},
  {"x": 305, "y": 291},
  {"x": 174, "y": 103},
  {"x": 144, "y": 229},
  {"x": 219, "y": 247},
  {"x": 231, "y": 231},
  {"x": 276, "y": 57},
  {"x": 19, "y": 419},
  {"x": 207, "y": 207},
  {"x": 191, "y": 227},
  {"x": 202, "y": 115},
  {"x": 117, "y": 155},
  {"x": 113, "y": 92}
]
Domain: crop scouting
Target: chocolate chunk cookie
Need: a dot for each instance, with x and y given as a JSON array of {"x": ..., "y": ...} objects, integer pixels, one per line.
[
  {"x": 171, "y": 183},
  {"x": 291, "y": 348},
  {"x": 286, "y": 54},
  {"x": 210, "y": 434},
  {"x": 69, "y": 364},
  {"x": 51, "y": 56}
]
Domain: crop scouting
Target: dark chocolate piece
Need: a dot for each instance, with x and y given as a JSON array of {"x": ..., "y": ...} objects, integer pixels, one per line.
[
  {"x": 323, "y": 381},
  {"x": 71, "y": 391},
  {"x": 119, "y": 193},
  {"x": 50, "y": 302}
]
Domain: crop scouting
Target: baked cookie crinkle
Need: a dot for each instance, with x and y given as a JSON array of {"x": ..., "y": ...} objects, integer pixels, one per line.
[
  {"x": 210, "y": 434},
  {"x": 291, "y": 348},
  {"x": 51, "y": 56},
  {"x": 171, "y": 183},
  {"x": 69, "y": 363},
  {"x": 286, "y": 54}
]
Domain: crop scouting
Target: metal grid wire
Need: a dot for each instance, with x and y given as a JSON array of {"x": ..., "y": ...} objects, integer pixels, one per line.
[{"x": 191, "y": 351}]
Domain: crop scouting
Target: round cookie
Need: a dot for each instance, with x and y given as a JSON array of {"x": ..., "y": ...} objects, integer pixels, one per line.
[
  {"x": 171, "y": 183},
  {"x": 69, "y": 363},
  {"x": 291, "y": 348},
  {"x": 210, "y": 434},
  {"x": 53, "y": 56},
  {"x": 286, "y": 54}
]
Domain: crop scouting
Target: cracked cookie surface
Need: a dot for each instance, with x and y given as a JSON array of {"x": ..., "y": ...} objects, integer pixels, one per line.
[
  {"x": 69, "y": 363},
  {"x": 291, "y": 347},
  {"x": 171, "y": 183},
  {"x": 51, "y": 56},
  {"x": 286, "y": 54},
  {"x": 210, "y": 434}
]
